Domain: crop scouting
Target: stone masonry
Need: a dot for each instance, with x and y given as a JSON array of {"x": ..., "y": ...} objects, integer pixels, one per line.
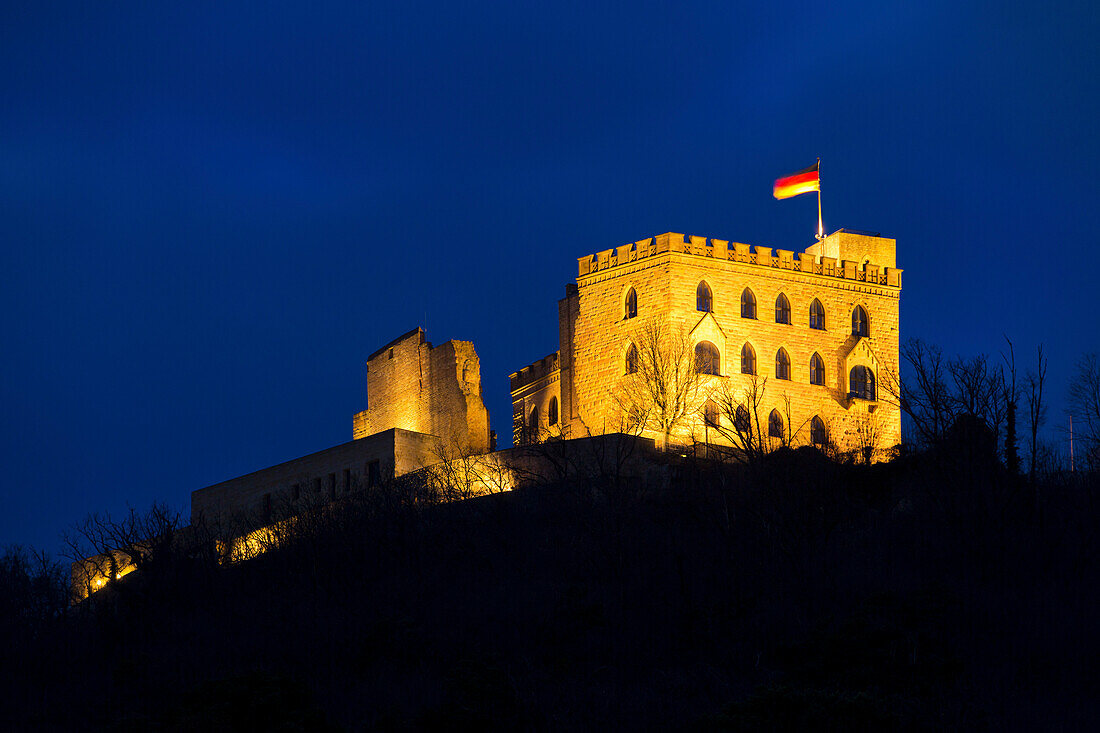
[
  {"x": 436, "y": 390},
  {"x": 843, "y": 271},
  {"x": 424, "y": 406}
]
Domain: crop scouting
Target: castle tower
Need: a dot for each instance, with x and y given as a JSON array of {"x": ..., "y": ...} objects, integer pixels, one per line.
[
  {"x": 806, "y": 326},
  {"x": 436, "y": 390}
]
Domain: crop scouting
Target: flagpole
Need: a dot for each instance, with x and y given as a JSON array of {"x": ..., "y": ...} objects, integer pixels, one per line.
[{"x": 820, "y": 226}]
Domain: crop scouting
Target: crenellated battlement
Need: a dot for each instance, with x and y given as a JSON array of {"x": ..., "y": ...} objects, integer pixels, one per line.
[
  {"x": 540, "y": 369},
  {"x": 811, "y": 262}
]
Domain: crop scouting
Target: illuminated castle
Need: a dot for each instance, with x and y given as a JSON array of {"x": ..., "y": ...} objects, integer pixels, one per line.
[
  {"x": 799, "y": 345},
  {"x": 816, "y": 332},
  {"x": 813, "y": 335}
]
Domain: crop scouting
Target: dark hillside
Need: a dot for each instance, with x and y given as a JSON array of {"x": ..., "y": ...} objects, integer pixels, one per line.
[{"x": 933, "y": 592}]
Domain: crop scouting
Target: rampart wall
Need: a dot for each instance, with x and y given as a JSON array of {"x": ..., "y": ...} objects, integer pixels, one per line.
[
  {"x": 318, "y": 477},
  {"x": 810, "y": 262}
]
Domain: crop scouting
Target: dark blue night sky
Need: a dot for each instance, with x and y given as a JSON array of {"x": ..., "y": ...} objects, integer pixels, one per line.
[{"x": 212, "y": 215}]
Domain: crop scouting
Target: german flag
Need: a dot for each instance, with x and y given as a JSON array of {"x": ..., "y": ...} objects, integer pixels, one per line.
[{"x": 805, "y": 181}]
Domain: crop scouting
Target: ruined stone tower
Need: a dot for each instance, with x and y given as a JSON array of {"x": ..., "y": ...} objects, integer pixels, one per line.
[{"x": 435, "y": 390}]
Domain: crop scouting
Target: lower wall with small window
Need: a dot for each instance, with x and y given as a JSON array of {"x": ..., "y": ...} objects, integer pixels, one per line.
[{"x": 318, "y": 477}]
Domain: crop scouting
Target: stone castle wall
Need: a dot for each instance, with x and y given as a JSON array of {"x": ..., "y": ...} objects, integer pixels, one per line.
[
  {"x": 536, "y": 396},
  {"x": 437, "y": 390},
  {"x": 665, "y": 272},
  {"x": 316, "y": 478}
]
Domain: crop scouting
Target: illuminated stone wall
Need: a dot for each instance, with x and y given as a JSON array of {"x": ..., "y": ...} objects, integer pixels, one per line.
[
  {"x": 843, "y": 271},
  {"x": 534, "y": 388},
  {"x": 317, "y": 478},
  {"x": 437, "y": 390}
]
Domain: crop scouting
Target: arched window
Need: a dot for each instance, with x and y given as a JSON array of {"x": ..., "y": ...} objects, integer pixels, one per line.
[
  {"x": 631, "y": 303},
  {"x": 748, "y": 360},
  {"x": 782, "y": 309},
  {"x": 741, "y": 422},
  {"x": 552, "y": 412},
  {"x": 710, "y": 414},
  {"x": 703, "y": 300},
  {"x": 817, "y": 432},
  {"x": 782, "y": 365},
  {"x": 817, "y": 315},
  {"x": 775, "y": 425},
  {"x": 860, "y": 326},
  {"x": 817, "y": 369},
  {"x": 632, "y": 360},
  {"x": 533, "y": 423},
  {"x": 707, "y": 359},
  {"x": 748, "y": 304},
  {"x": 861, "y": 383}
]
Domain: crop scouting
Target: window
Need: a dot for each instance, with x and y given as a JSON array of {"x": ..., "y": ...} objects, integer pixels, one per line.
[
  {"x": 296, "y": 492},
  {"x": 707, "y": 359},
  {"x": 782, "y": 309},
  {"x": 347, "y": 480},
  {"x": 710, "y": 414},
  {"x": 703, "y": 300},
  {"x": 741, "y": 422},
  {"x": 632, "y": 360},
  {"x": 332, "y": 486},
  {"x": 775, "y": 425},
  {"x": 748, "y": 304},
  {"x": 782, "y": 365},
  {"x": 860, "y": 326},
  {"x": 631, "y": 303},
  {"x": 390, "y": 354},
  {"x": 748, "y": 360},
  {"x": 552, "y": 411},
  {"x": 374, "y": 473},
  {"x": 817, "y": 369},
  {"x": 817, "y": 315},
  {"x": 267, "y": 508},
  {"x": 861, "y": 383},
  {"x": 533, "y": 422},
  {"x": 817, "y": 432},
  {"x": 317, "y": 485}
]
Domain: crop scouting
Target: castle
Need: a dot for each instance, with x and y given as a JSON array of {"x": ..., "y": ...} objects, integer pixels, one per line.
[
  {"x": 804, "y": 339},
  {"x": 772, "y": 348}
]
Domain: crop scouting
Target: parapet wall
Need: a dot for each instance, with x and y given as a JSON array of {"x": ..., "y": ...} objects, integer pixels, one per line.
[
  {"x": 810, "y": 262},
  {"x": 540, "y": 369}
]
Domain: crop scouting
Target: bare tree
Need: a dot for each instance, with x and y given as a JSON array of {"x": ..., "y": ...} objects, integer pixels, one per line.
[
  {"x": 104, "y": 549},
  {"x": 792, "y": 431},
  {"x": 1035, "y": 407},
  {"x": 1084, "y": 407},
  {"x": 33, "y": 586},
  {"x": 1011, "y": 398},
  {"x": 937, "y": 392},
  {"x": 462, "y": 474},
  {"x": 868, "y": 433},
  {"x": 979, "y": 391},
  {"x": 665, "y": 387},
  {"x": 924, "y": 396},
  {"x": 740, "y": 422}
]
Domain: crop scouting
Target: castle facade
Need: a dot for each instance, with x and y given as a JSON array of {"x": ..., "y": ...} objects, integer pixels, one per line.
[
  {"x": 796, "y": 347},
  {"x": 813, "y": 335},
  {"x": 805, "y": 341}
]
